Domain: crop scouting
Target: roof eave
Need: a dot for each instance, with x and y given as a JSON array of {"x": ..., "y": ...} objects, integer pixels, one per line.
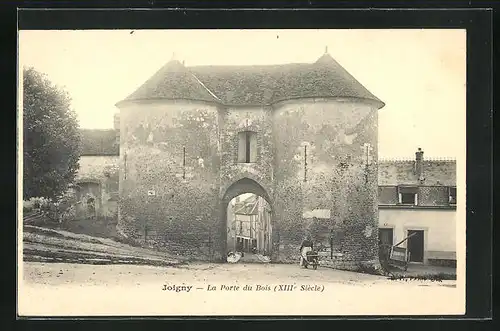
[
  {"x": 375, "y": 101},
  {"x": 124, "y": 102}
]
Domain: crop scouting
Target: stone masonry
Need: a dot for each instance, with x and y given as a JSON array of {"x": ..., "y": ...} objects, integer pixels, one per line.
[{"x": 316, "y": 157}]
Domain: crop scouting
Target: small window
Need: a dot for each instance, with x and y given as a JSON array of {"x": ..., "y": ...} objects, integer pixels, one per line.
[
  {"x": 408, "y": 195},
  {"x": 247, "y": 147},
  {"x": 453, "y": 195},
  {"x": 408, "y": 198}
]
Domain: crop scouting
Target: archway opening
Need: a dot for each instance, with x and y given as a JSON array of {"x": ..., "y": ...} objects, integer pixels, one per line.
[{"x": 247, "y": 218}]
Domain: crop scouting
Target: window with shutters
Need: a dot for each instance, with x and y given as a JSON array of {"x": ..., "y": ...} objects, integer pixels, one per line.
[
  {"x": 247, "y": 147},
  {"x": 408, "y": 195}
]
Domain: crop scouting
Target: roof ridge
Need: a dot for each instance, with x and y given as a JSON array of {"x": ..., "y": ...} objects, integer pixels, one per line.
[
  {"x": 408, "y": 159},
  {"x": 396, "y": 159},
  {"x": 248, "y": 65}
]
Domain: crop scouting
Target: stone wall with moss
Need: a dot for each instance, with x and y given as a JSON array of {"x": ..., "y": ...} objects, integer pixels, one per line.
[
  {"x": 98, "y": 179},
  {"x": 312, "y": 164},
  {"x": 169, "y": 182},
  {"x": 324, "y": 185}
]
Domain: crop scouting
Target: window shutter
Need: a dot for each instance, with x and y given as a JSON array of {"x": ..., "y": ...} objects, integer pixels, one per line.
[
  {"x": 241, "y": 146},
  {"x": 253, "y": 147}
]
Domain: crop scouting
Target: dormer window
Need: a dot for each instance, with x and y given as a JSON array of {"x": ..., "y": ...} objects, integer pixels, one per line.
[
  {"x": 452, "y": 193},
  {"x": 408, "y": 195},
  {"x": 247, "y": 147}
]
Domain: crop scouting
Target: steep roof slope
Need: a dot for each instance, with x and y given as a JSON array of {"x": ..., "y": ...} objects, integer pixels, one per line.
[
  {"x": 172, "y": 81},
  {"x": 402, "y": 172},
  {"x": 99, "y": 142},
  {"x": 247, "y": 206},
  {"x": 253, "y": 85}
]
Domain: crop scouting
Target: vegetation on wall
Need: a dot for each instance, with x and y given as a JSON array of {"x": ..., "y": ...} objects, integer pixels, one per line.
[{"x": 51, "y": 139}]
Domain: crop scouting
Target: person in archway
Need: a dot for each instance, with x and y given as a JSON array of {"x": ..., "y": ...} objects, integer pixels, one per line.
[{"x": 306, "y": 246}]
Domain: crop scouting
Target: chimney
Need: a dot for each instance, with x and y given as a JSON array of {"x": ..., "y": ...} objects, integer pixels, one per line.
[{"x": 419, "y": 157}]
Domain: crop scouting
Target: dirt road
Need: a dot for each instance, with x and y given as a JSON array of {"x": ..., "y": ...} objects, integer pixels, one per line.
[
  {"x": 236, "y": 289},
  {"x": 58, "y": 274}
]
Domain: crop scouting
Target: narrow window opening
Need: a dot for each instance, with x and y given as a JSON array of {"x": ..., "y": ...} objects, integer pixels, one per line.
[
  {"x": 247, "y": 155},
  {"x": 247, "y": 147}
]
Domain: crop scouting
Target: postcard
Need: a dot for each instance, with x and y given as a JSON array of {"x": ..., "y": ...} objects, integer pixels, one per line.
[{"x": 241, "y": 172}]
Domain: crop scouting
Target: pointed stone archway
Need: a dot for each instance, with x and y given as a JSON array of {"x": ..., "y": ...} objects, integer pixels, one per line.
[{"x": 241, "y": 186}]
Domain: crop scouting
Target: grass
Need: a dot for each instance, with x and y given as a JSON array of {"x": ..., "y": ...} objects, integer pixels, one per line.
[{"x": 49, "y": 245}]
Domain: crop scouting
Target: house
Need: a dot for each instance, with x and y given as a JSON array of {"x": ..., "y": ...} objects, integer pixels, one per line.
[
  {"x": 249, "y": 221},
  {"x": 418, "y": 197},
  {"x": 96, "y": 186}
]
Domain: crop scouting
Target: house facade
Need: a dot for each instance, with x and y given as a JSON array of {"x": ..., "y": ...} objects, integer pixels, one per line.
[
  {"x": 96, "y": 186},
  {"x": 249, "y": 224},
  {"x": 301, "y": 136},
  {"x": 418, "y": 197}
]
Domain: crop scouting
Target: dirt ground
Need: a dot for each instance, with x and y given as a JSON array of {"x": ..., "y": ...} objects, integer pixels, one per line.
[
  {"x": 59, "y": 273},
  {"x": 60, "y": 289},
  {"x": 62, "y": 273}
]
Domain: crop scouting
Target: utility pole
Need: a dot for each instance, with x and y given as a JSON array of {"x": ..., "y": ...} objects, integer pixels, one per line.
[{"x": 305, "y": 163}]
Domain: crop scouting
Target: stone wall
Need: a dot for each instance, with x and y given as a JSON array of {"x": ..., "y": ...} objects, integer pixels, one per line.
[
  {"x": 179, "y": 169},
  {"x": 233, "y": 121},
  {"x": 321, "y": 168},
  {"x": 169, "y": 182},
  {"x": 97, "y": 178}
]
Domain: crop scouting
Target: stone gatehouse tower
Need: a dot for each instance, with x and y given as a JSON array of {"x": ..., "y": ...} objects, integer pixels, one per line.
[{"x": 302, "y": 136}]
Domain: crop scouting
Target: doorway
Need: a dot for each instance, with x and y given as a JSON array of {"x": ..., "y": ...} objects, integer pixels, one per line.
[
  {"x": 249, "y": 225},
  {"x": 416, "y": 245},
  {"x": 247, "y": 219},
  {"x": 385, "y": 236}
]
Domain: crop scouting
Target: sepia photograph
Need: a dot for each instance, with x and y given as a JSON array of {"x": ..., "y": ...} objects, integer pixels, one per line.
[{"x": 241, "y": 172}]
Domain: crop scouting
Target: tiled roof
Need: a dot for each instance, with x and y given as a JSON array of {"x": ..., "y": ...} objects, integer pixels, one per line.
[
  {"x": 99, "y": 142},
  {"x": 253, "y": 85},
  {"x": 402, "y": 172},
  {"x": 172, "y": 81},
  {"x": 247, "y": 206}
]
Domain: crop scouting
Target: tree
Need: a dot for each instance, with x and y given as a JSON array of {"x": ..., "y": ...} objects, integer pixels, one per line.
[{"x": 51, "y": 138}]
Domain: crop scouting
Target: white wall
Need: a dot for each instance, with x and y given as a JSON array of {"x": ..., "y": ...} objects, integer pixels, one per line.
[{"x": 439, "y": 229}]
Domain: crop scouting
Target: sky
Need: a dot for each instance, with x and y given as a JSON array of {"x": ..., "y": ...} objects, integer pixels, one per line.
[{"x": 419, "y": 74}]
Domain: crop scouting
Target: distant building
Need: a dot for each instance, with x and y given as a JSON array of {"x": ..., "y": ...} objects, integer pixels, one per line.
[
  {"x": 249, "y": 225},
  {"x": 419, "y": 197},
  {"x": 97, "y": 179}
]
